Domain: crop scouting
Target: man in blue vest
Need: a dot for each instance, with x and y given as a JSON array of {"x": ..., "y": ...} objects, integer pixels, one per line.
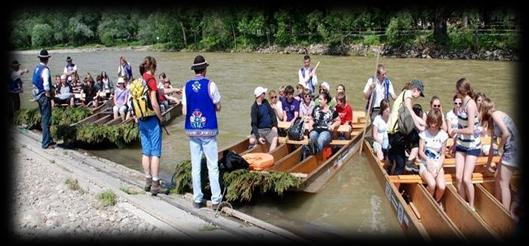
[
  {"x": 200, "y": 101},
  {"x": 380, "y": 89},
  {"x": 307, "y": 75},
  {"x": 43, "y": 93}
]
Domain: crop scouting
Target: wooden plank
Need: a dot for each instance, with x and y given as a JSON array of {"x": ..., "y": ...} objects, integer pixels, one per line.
[
  {"x": 306, "y": 166},
  {"x": 465, "y": 219},
  {"x": 434, "y": 220},
  {"x": 340, "y": 142},
  {"x": 283, "y": 124},
  {"x": 481, "y": 160},
  {"x": 493, "y": 213},
  {"x": 103, "y": 119},
  {"x": 280, "y": 152},
  {"x": 287, "y": 162},
  {"x": 288, "y": 141},
  {"x": 449, "y": 178}
]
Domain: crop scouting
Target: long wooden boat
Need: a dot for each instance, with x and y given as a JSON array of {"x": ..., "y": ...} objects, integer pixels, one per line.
[
  {"x": 420, "y": 216},
  {"x": 314, "y": 170},
  {"x": 106, "y": 117}
]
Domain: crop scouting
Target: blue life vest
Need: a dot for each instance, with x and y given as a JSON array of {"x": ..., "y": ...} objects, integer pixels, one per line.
[
  {"x": 128, "y": 70},
  {"x": 37, "y": 79},
  {"x": 386, "y": 91},
  {"x": 310, "y": 85},
  {"x": 201, "y": 118}
]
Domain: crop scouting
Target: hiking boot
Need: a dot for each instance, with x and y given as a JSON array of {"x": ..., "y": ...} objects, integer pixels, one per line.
[
  {"x": 148, "y": 184},
  {"x": 199, "y": 204},
  {"x": 411, "y": 167},
  {"x": 155, "y": 188}
]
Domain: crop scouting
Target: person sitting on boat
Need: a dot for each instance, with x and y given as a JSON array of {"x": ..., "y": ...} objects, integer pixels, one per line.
[
  {"x": 172, "y": 94},
  {"x": 339, "y": 88},
  {"x": 382, "y": 87},
  {"x": 380, "y": 133},
  {"x": 121, "y": 97},
  {"x": 264, "y": 122},
  {"x": 57, "y": 81},
  {"x": 484, "y": 130},
  {"x": 503, "y": 126},
  {"x": 89, "y": 91},
  {"x": 435, "y": 103},
  {"x": 290, "y": 105},
  {"x": 451, "y": 122},
  {"x": 432, "y": 147},
  {"x": 345, "y": 112},
  {"x": 107, "y": 84},
  {"x": 64, "y": 93},
  {"x": 412, "y": 90},
  {"x": 281, "y": 92},
  {"x": 325, "y": 87},
  {"x": 307, "y": 75},
  {"x": 322, "y": 123},
  {"x": 162, "y": 79},
  {"x": 276, "y": 104},
  {"x": 70, "y": 69},
  {"x": 298, "y": 94},
  {"x": 306, "y": 106}
]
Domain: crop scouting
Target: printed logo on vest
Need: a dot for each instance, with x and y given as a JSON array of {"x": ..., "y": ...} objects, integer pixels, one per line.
[
  {"x": 196, "y": 86},
  {"x": 197, "y": 120}
]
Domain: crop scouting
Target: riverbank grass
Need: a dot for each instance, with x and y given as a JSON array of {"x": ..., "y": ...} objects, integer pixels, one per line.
[
  {"x": 107, "y": 198},
  {"x": 73, "y": 184}
]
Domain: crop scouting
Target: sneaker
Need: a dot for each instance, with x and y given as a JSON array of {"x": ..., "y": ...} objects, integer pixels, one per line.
[
  {"x": 199, "y": 204},
  {"x": 411, "y": 167},
  {"x": 148, "y": 184},
  {"x": 155, "y": 188}
]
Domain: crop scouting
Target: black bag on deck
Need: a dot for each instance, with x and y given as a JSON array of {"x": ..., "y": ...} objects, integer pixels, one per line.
[
  {"x": 231, "y": 161},
  {"x": 297, "y": 130}
]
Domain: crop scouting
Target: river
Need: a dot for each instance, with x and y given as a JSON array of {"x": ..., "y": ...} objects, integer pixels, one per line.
[{"x": 352, "y": 202}]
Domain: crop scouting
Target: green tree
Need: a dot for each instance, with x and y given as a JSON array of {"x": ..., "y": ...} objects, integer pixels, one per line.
[
  {"x": 398, "y": 30},
  {"x": 41, "y": 36}
]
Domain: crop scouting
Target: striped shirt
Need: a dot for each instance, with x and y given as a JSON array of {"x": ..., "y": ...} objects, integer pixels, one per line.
[{"x": 472, "y": 141}]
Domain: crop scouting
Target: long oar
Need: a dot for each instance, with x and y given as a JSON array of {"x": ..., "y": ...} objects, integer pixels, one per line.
[{"x": 368, "y": 109}]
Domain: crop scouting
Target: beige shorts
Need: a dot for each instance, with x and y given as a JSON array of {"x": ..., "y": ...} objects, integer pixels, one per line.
[{"x": 268, "y": 133}]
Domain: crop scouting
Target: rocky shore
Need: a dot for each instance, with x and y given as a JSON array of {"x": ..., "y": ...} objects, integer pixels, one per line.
[
  {"x": 427, "y": 52},
  {"x": 44, "y": 205},
  {"x": 414, "y": 52}
]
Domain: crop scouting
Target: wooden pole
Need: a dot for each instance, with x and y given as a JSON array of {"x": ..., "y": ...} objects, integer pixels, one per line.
[{"x": 368, "y": 110}]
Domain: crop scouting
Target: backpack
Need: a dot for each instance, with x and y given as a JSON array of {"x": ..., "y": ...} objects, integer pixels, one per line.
[
  {"x": 140, "y": 100},
  {"x": 297, "y": 130},
  {"x": 231, "y": 161},
  {"x": 405, "y": 120}
]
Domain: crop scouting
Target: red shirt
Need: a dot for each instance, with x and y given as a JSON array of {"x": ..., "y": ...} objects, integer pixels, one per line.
[
  {"x": 153, "y": 86},
  {"x": 345, "y": 113}
]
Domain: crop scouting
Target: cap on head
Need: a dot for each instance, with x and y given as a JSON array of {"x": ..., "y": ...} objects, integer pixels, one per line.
[
  {"x": 44, "y": 54},
  {"x": 259, "y": 91},
  {"x": 121, "y": 80},
  {"x": 15, "y": 63},
  {"x": 199, "y": 63},
  {"x": 325, "y": 86},
  {"x": 419, "y": 85}
]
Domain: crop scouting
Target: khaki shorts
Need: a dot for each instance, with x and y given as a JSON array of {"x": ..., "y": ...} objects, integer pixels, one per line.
[{"x": 268, "y": 133}]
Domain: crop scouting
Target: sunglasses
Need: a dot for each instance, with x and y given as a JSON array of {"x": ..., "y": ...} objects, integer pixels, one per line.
[
  {"x": 272, "y": 97},
  {"x": 457, "y": 103},
  {"x": 436, "y": 105}
]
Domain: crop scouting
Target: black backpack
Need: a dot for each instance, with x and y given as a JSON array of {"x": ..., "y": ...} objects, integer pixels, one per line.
[
  {"x": 297, "y": 130},
  {"x": 231, "y": 161}
]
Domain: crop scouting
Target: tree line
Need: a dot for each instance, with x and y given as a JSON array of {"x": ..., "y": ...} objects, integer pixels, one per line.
[{"x": 229, "y": 28}]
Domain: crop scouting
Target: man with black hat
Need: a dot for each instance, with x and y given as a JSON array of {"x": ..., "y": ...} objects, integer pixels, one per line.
[
  {"x": 15, "y": 87},
  {"x": 43, "y": 93},
  {"x": 70, "y": 69},
  {"x": 200, "y": 101}
]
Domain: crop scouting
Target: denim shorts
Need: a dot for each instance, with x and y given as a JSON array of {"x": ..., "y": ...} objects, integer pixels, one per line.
[
  {"x": 151, "y": 136},
  {"x": 474, "y": 152}
]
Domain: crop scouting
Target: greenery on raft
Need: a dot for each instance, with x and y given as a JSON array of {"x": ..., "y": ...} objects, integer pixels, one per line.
[
  {"x": 241, "y": 184},
  {"x": 62, "y": 118}
]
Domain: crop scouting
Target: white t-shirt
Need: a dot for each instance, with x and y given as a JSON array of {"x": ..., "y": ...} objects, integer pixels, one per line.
[
  {"x": 433, "y": 144},
  {"x": 379, "y": 91},
  {"x": 382, "y": 128},
  {"x": 451, "y": 119}
]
